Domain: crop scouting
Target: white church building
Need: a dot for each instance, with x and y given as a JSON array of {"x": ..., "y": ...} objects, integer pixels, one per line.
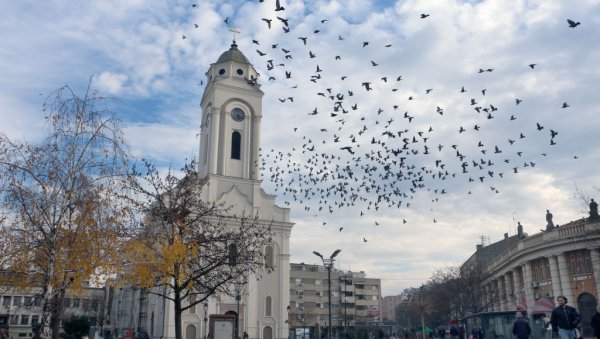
[{"x": 229, "y": 158}]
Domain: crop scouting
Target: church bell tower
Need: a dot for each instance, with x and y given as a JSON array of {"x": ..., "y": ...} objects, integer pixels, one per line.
[
  {"x": 232, "y": 111},
  {"x": 229, "y": 161}
]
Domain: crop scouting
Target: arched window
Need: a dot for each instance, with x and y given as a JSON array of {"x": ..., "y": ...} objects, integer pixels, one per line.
[
  {"x": 236, "y": 145},
  {"x": 269, "y": 257},
  {"x": 268, "y": 306}
]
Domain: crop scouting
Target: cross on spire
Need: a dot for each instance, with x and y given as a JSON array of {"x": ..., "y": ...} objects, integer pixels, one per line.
[{"x": 234, "y": 31}]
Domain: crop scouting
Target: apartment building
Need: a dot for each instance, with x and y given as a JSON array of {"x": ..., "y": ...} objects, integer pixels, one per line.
[
  {"x": 20, "y": 309},
  {"x": 355, "y": 299}
]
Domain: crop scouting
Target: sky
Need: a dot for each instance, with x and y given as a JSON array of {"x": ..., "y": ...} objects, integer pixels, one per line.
[{"x": 450, "y": 185}]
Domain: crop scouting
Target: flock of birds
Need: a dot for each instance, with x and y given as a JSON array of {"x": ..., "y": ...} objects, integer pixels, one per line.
[{"x": 372, "y": 159}]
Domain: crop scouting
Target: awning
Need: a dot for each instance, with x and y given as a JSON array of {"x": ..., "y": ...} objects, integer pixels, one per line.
[{"x": 543, "y": 306}]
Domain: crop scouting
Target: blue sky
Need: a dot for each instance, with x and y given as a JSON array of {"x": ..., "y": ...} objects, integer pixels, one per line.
[{"x": 136, "y": 52}]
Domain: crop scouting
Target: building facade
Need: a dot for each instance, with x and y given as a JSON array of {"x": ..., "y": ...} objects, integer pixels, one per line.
[
  {"x": 355, "y": 299},
  {"x": 20, "y": 310},
  {"x": 531, "y": 271},
  {"x": 389, "y": 306}
]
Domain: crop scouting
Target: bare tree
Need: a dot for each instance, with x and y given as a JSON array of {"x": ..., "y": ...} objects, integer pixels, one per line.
[
  {"x": 194, "y": 248},
  {"x": 460, "y": 290},
  {"x": 60, "y": 217}
]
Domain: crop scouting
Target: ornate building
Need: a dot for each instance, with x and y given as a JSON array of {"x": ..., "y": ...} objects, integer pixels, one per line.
[
  {"x": 229, "y": 160},
  {"x": 527, "y": 273}
]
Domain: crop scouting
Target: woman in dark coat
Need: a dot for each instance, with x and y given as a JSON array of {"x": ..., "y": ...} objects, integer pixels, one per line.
[{"x": 521, "y": 328}]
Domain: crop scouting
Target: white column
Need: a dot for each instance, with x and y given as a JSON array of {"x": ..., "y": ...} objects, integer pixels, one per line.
[
  {"x": 565, "y": 279},
  {"x": 255, "y": 158},
  {"x": 527, "y": 288},
  {"x": 555, "y": 276},
  {"x": 214, "y": 140}
]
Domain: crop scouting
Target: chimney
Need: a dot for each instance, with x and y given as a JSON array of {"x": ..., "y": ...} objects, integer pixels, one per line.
[
  {"x": 505, "y": 235},
  {"x": 479, "y": 246}
]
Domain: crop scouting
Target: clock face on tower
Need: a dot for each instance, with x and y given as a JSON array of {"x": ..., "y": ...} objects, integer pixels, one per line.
[{"x": 237, "y": 114}]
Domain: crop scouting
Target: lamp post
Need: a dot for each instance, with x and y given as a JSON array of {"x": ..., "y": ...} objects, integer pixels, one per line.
[
  {"x": 205, "y": 318},
  {"x": 328, "y": 263},
  {"x": 238, "y": 297}
]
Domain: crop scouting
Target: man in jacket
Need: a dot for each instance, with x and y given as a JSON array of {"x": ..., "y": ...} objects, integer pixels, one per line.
[
  {"x": 564, "y": 319},
  {"x": 521, "y": 328},
  {"x": 596, "y": 322}
]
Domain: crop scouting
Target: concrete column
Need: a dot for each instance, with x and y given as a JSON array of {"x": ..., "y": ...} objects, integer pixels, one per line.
[
  {"x": 565, "y": 279},
  {"x": 486, "y": 296},
  {"x": 510, "y": 291},
  {"x": 528, "y": 289},
  {"x": 255, "y": 144},
  {"x": 555, "y": 276},
  {"x": 595, "y": 256},
  {"x": 518, "y": 284},
  {"x": 213, "y": 152},
  {"x": 502, "y": 293}
]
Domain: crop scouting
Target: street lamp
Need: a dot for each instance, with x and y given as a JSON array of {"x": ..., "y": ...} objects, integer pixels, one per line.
[
  {"x": 328, "y": 263},
  {"x": 205, "y": 318},
  {"x": 238, "y": 297}
]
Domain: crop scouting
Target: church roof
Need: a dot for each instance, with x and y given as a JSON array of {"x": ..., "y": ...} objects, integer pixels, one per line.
[{"x": 233, "y": 54}]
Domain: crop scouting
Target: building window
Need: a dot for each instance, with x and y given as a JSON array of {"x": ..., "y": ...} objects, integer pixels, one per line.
[
  {"x": 6, "y": 300},
  {"x": 319, "y": 305},
  {"x": 17, "y": 301},
  {"x": 35, "y": 319},
  {"x": 27, "y": 302},
  {"x": 269, "y": 260},
  {"x": 14, "y": 319},
  {"x": 75, "y": 303},
  {"x": 268, "y": 306},
  {"x": 192, "y": 301},
  {"x": 298, "y": 280},
  {"x": 579, "y": 262},
  {"x": 24, "y": 319},
  {"x": 236, "y": 145},
  {"x": 298, "y": 292},
  {"x": 540, "y": 269}
]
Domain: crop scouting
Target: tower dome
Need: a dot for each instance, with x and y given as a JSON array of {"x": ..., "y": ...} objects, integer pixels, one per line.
[{"x": 233, "y": 54}]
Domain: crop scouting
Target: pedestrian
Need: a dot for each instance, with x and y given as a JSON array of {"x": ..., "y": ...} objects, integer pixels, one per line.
[
  {"x": 564, "y": 319},
  {"x": 454, "y": 332},
  {"x": 596, "y": 322},
  {"x": 521, "y": 328},
  {"x": 480, "y": 333},
  {"x": 442, "y": 332}
]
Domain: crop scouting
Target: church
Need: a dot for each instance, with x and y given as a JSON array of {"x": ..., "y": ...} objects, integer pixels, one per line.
[{"x": 229, "y": 159}]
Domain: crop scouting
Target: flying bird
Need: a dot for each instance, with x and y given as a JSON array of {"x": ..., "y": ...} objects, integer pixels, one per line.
[
  {"x": 423, "y": 16},
  {"x": 278, "y": 6},
  {"x": 268, "y": 21},
  {"x": 573, "y": 24}
]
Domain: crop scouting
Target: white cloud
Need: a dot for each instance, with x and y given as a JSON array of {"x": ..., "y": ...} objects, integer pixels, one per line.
[{"x": 112, "y": 83}]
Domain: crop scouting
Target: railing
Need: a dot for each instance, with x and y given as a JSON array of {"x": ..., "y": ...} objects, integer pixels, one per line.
[{"x": 575, "y": 228}]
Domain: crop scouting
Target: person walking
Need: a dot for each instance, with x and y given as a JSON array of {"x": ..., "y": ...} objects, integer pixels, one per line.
[
  {"x": 564, "y": 319},
  {"x": 596, "y": 322},
  {"x": 454, "y": 332},
  {"x": 521, "y": 328}
]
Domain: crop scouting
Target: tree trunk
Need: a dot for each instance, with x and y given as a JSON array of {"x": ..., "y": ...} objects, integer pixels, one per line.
[
  {"x": 177, "y": 301},
  {"x": 49, "y": 300}
]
